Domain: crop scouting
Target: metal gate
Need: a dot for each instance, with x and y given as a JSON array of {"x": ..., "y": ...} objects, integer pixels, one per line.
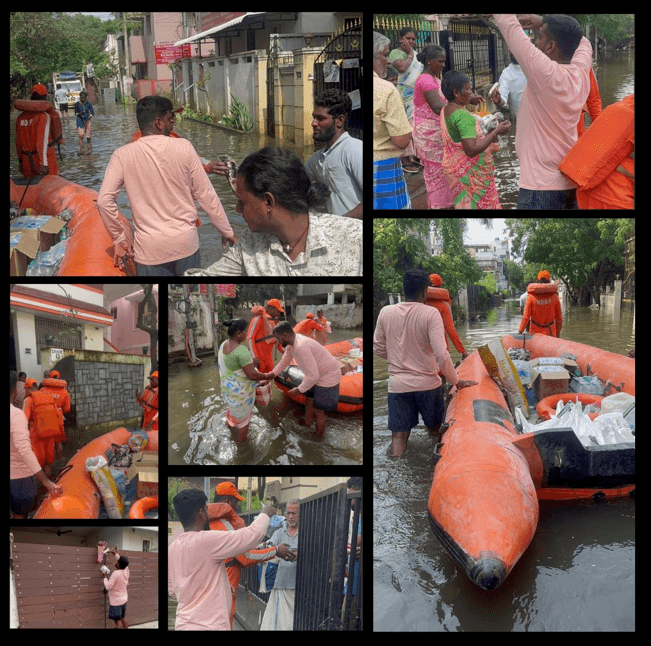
[
  {"x": 272, "y": 57},
  {"x": 472, "y": 49},
  {"x": 325, "y": 600},
  {"x": 60, "y": 586},
  {"x": 470, "y": 46},
  {"x": 345, "y": 47},
  {"x": 60, "y": 333}
]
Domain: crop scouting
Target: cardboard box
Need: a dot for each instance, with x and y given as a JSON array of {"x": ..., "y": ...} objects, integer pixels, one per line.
[
  {"x": 46, "y": 228},
  {"x": 144, "y": 474},
  {"x": 548, "y": 380},
  {"x": 146, "y": 482},
  {"x": 27, "y": 236},
  {"x": 23, "y": 247}
]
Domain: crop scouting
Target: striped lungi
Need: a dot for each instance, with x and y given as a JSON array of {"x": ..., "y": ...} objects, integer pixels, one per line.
[{"x": 389, "y": 186}]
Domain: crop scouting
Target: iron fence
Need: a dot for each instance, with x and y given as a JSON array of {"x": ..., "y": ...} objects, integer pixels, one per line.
[
  {"x": 329, "y": 581},
  {"x": 470, "y": 47}
]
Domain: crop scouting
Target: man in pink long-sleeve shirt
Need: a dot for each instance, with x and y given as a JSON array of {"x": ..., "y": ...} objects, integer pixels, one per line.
[
  {"x": 117, "y": 584},
  {"x": 197, "y": 576},
  {"x": 321, "y": 370},
  {"x": 162, "y": 176},
  {"x": 557, "y": 66},
  {"x": 411, "y": 337}
]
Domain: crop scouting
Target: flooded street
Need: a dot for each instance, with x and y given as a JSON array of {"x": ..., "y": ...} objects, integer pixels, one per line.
[
  {"x": 199, "y": 435},
  {"x": 578, "y": 573},
  {"x": 114, "y": 125}
]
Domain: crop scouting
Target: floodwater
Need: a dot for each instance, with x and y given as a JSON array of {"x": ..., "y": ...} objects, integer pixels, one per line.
[
  {"x": 198, "y": 433},
  {"x": 578, "y": 573},
  {"x": 616, "y": 79},
  {"x": 114, "y": 125}
]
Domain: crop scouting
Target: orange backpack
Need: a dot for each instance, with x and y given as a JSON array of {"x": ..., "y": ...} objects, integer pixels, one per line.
[{"x": 45, "y": 416}]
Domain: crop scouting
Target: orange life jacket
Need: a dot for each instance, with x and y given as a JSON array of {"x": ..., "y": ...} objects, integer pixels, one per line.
[
  {"x": 45, "y": 415},
  {"x": 543, "y": 308},
  {"x": 57, "y": 388},
  {"x": 149, "y": 401},
  {"x": 38, "y": 128}
]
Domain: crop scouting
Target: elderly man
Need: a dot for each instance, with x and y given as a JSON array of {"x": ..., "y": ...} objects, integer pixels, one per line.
[
  {"x": 279, "y": 614},
  {"x": 322, "y": 372},
  {"x": 391, "y": 134},
  {"x": 223, "y": 513}
]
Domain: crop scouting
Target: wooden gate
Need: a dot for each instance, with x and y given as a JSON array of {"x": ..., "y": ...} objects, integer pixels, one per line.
[{"x": 60, "y": 586}]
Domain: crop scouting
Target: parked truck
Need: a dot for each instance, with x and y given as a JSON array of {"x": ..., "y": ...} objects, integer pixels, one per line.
[{"x": 73, "y": 82}]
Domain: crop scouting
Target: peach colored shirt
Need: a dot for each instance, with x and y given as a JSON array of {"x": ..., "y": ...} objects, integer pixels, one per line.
[
  {"x": 22, "y": 461},
  {"x": 550, "y": 107},
  {"x": 197, "y": 576},
  {"x": 318, "y": 365},
  {"x": 162, "y": 177},
  {"x": 117, "y": 584},
  {"x": 411, "y": 337}
]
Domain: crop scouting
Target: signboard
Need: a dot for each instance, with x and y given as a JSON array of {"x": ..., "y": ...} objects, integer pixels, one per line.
[
  {"x": 225, "y": 290},
  {"x": 56, "y": 354},
  {"x": 166, "y": 53}
]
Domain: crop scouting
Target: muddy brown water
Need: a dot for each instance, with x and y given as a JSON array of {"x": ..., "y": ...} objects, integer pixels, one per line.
[{"x": 578, "y": 573}]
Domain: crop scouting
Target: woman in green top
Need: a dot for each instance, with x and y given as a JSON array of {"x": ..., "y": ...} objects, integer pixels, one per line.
[
  {"x": 467, "y": 152},
  {"x": 238, "y": 376}
]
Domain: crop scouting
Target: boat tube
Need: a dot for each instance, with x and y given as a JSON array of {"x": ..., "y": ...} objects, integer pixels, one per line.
[
  {"x": 89, "y": 250},
  {"x": 142, "y": 506},
  {"x": 488, "y": 478},
  {"x": 351, "y": 395},
  {"x": 547, "y": 407},
  {"x": 81, "y": 498}
]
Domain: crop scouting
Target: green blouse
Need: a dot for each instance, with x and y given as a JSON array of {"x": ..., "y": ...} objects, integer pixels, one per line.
[{"x": 461, "y": 125}]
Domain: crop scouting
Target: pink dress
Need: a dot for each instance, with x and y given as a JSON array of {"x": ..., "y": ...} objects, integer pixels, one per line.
[{"x": 429, "y": 143}]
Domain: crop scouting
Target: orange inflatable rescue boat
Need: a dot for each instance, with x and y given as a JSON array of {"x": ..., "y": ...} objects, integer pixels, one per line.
[
  {"x": 351, "y": 388},
  {"x": 89, "y": 250},
  {"x": 488, "y": 477},
  {"x": 81, "y": 498}
]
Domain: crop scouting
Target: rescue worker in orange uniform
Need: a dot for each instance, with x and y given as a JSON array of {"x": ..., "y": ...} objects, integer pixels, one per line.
[
  {"x": 308, "y": 326},
  {"x": 223, "y": 517},
  {"x": 149, "y": 401},
  {"x": 543, "y": 309},
  {"x": 38, "y": 130},
  {"x": 322, "y": 337},
  {"x": 262, "y": 325},
  {"x": 439, "y": 298},
  {"x": 57, "y": 388},
  {"x": 43, "y": 419}
]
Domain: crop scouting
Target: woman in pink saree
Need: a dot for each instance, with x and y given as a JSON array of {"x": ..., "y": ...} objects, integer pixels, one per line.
[
  {"x": 428, "y": 103},
  {"x": 468, "y": 153}
]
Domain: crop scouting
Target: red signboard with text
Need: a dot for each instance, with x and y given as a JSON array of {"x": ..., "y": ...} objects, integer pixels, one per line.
[{"x": 166, "y": 53}]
